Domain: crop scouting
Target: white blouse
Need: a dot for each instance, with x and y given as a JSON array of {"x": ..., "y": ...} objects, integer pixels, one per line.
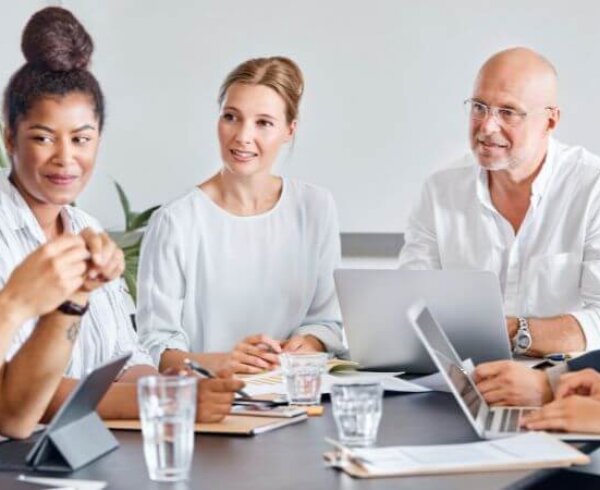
[
  {"x": 208, "y": 278},
  {"x": 106, "y": 329}
]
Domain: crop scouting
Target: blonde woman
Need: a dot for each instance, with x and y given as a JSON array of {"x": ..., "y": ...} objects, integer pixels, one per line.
[{"x": 240, "y": 268}]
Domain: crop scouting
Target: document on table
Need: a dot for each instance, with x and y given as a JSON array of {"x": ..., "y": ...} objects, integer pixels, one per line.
[
  {"x": 273, "y": 382},
  {"x": 531, "y": 450}
]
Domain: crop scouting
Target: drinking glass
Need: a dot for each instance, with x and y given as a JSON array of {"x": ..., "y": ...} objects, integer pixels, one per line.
[
  {"x": 357, "y": 409},
  {"x": 167, "y": 413},
  {"x": 302, "y": 374}
]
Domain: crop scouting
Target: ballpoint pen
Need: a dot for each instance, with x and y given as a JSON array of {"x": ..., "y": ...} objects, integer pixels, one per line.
[
  {"x": 557, "y": 357},
  {"x": 194, "y": 366}
]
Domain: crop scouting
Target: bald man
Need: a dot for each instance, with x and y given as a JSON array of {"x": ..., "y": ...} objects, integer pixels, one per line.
[{"x": 522, "y": 205}]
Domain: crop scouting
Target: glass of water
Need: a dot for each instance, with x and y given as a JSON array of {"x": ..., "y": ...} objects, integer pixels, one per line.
[
  {"x": 302, "y": 374},
  {"x": 357, "y": 409},
  {"x": 167, "y": 412}
]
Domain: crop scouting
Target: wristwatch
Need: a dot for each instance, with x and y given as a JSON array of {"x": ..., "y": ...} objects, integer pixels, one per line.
[
  {"x": 73, "y": 309},
  {"x": 522, "y": 340}
]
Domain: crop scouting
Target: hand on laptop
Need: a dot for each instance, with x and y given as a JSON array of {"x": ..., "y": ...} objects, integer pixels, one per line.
[
  {"x": 215, "y": 396},
  {"x": 508, "y": 383},
  {"x": 585, "y": 382},
  {"x": 572, "y": 414},
  {"x": 576, "y": 408},
  {"x": 255, "y": 354}
]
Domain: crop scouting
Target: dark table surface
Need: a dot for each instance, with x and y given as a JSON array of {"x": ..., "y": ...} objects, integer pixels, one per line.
[{"x": 291, "y": 457}]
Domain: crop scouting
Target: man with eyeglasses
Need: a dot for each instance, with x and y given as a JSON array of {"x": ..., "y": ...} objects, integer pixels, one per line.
[{"x": 526, "y": 207}]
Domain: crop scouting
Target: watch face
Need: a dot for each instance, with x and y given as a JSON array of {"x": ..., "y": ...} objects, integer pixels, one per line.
[{"x": 523, "y": 342}]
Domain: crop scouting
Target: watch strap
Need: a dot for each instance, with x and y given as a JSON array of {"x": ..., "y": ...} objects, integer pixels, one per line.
[{"x": 73, "y": 309}]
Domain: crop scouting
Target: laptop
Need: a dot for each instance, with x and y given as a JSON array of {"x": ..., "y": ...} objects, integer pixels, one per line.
[
  {"x": 374, "y": 305},
  {"x": 78, "y": 412},
  {"x": 489, "y": 422}
]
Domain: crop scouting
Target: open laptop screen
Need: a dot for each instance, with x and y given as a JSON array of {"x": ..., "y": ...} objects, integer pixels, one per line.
[{"x": 450, "y": 361}]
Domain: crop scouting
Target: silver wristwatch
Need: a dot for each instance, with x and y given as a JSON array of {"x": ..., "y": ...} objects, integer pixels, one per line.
[{"x": 522, "y": 340}]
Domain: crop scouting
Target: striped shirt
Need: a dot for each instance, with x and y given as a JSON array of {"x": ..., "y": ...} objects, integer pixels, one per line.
[{"x": 106, "y": 329}]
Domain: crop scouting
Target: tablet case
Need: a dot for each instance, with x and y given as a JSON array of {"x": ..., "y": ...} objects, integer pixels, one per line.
[{"x": 76, "y": 436}]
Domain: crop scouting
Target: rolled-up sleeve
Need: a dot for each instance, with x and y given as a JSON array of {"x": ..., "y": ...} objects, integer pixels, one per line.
[
  {"x": 421, "y": 249},
  {"x": 323, "y": 319},
  {"x": 161, "y": 286}
]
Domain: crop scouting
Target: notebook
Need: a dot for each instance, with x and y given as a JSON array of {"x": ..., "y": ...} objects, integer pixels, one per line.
[{"x": 240, "y": 425}]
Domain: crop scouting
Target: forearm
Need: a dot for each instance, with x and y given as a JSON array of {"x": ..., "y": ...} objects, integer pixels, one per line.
[
  {"x": 10, "y": 321},
  {"x": 556, "y": 334},
  {"x": 174, "y": 359},
  {"x": 29, "y": 380},
  {"x": 119, "y": 402}
]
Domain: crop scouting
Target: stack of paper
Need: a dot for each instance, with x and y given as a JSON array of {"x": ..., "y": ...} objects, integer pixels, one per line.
[
  {"x": 272, "y": 382},
  {"x": 530, "y": 450}
]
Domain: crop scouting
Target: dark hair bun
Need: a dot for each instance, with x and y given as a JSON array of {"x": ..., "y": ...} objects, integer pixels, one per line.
[{"x": 55, "y": 40}]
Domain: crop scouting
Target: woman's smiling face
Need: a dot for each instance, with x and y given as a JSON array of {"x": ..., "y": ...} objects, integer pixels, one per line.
[
  {"x": 53, "y": 149},
  {"x": 252, "y": 129}
]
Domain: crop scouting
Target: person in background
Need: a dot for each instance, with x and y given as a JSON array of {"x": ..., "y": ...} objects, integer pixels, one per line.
[
  {"x": 54, "y": 116},
  {"x": 240, "y": 268}
]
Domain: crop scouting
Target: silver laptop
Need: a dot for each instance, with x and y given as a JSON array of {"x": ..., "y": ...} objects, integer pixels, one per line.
[
  {"x": 374, "y": 305},
  {"x": 489, "y": 422}
]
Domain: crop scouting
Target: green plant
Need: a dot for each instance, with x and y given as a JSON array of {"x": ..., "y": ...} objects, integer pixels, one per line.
[{"x": 130, "y": 240}]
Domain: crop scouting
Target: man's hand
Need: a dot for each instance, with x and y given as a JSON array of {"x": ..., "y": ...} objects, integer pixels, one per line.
[
  {"x": 303, "y": 343},
  {"x": 510, "y": 383},
  {"x": 47, "y": 277},
  {"x": 512, "y": 326},
  {"x": 215, "y": 396},
  {"x": 255, "y": 354},
  {"x": 107, "y": 260},
  {"x": 571, "y": 414},
  {"x": 584, "y": 383}
]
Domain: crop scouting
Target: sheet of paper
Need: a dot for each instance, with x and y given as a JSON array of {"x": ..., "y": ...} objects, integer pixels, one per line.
[
  {"x": 389, "y": 381},
  {"x": 532, "y": 447},
  {"x": 272, "y": 382}
]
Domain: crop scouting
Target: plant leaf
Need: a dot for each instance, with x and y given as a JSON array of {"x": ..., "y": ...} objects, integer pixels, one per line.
[
  {"x": 124, "y": 204},
  {"x": 142, "y": 218}
]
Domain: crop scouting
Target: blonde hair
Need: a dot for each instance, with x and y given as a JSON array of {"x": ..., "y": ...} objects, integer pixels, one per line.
[{"x": 276, "y": 72}]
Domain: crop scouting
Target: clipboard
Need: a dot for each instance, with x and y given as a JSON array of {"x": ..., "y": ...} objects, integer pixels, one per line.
[
  {"x": 234, "y": 425},
  {"x": 510, "y": 454}
]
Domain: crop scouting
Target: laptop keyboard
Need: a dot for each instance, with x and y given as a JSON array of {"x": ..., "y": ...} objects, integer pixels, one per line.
[{"x": 509, "y": 419}]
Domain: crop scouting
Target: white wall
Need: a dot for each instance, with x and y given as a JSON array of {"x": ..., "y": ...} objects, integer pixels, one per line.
[{"x": 385, "y": 85}]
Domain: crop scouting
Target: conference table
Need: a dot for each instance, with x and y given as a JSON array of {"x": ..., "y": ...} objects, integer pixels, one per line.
[{"x": 292, "y": 457}]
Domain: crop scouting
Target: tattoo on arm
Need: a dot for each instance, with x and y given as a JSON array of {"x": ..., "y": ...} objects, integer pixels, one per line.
[{"x": 73, "y": 331}]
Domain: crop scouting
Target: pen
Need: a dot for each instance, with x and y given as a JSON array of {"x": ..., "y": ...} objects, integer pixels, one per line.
[
  {"x": 194, "y": 366},
  {"x": 558, "y": 357}
]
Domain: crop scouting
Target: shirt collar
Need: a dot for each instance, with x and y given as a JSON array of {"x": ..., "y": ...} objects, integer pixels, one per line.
[
  {"x": 18, "y": 214},
  {"x": 541, "y": 182},
  {"x": 538, "y": 187}
]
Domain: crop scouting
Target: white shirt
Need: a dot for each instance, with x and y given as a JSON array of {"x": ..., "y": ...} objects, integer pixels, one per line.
[
  {"x": 106, "y": 329},
  {"x": 550, "y": 267},
  {"x": 208, "y": 278}
]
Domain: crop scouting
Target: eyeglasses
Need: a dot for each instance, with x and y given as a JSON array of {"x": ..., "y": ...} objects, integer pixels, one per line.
[{"x": 479, "y": 111}]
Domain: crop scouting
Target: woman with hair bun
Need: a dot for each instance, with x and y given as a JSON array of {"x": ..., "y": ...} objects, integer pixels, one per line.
[
  {"x": 240, "y": 268},
  {"x": 54, "y": 115}
]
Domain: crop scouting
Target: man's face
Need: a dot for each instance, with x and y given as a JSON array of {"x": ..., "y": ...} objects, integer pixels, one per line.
[{"x": 496, "y": 144}]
